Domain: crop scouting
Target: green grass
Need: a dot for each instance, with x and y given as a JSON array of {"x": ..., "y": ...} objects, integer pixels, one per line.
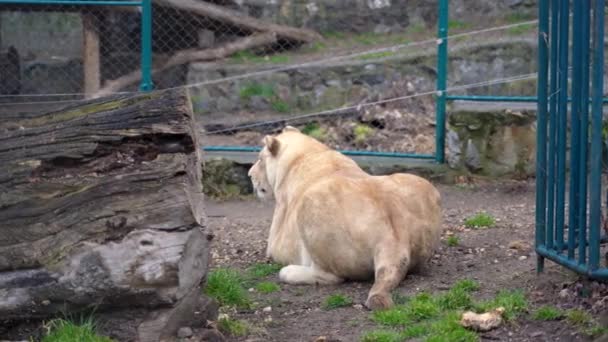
[
  {"x": 449, "y": 329},
  {"x": 314, "y": 130},
  {"x": 376, "y": 55},
  {"x": 452, "y": 241},
  {"x": 457, "y": 24},
  {"x": 262, "y": 270},
  {"x": 547, "y": 313},
  {"x": 267, "y": 287},
  {"x": 514, "y": 303},
  {"x": 436, "y": 318},
  {"x": 61, "y": 330},
  {"x": 415, "y": 331},
  {"x": 233, "y": 327},
  {"x": 381, "y": 336},
  {"x": 578, "y": 317},
  {"x": 280, "y": 106},
  {"x": 257, "y": 89},
  {"x": 362, "y": 132},
  {"x": 226, "y": 286},
  {"x": 336, "y": 301},
  {"x": 480, "y": 220}
]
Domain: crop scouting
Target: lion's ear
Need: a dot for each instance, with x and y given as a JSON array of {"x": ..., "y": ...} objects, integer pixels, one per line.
[
  {"x": 272, "y": 144},
  {"x": 290, "y": 129}
]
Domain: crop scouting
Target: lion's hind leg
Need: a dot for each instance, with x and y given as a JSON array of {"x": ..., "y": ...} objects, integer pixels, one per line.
[
  {"x": 307, "y": 275},
  {"x": 391, "y": 263}
]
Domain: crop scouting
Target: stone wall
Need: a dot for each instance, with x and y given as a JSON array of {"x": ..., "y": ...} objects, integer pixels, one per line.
[{"x": 363, "y": 79}]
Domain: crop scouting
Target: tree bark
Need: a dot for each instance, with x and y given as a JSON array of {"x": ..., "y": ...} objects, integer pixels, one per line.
[
  {"x": 101, "y": 206},
  {"x": 191, "y": 55}
]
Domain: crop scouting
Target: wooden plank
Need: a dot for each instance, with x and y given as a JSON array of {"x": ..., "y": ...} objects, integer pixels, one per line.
[{"x": 90, "y": 51}]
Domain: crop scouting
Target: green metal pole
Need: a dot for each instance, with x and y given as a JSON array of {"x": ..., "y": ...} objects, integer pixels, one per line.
[
  {"x": 541, "y": 133},
  {"x": 562, "y": 95},
  {"x": 575, "y": 124},
  {"x": 442, "y": 61},
  {"x": 551, "y": 167},
  {"x": 596, "y": 135},
  {"x": 146, "y": 46},
  {"x": 584, "y": 136}
]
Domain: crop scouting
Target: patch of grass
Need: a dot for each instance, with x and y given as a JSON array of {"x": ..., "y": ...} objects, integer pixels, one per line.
[
  {"x": 436, "y": 318},
  {"x": 381, "y": 336},
  {"x": 280, "y": 106},
  {"x": 516, "y": 17},
  {"x": 362, "y": 132},
  {"x": 457, "y": 24},
  {"x": 466, "y": 285},
  {"x": 315, "y": 131},
  {"x": 448, "y": 328},
  {"x": 514, "y": 303},
  {"x": 578, "y": 317},
  {"x": 61, "y": 330},
  {"x": 376, "y": 55},
  {"x": 480, "y": 220},
  {"x": 585, "y": 323},
  {"x": 547, "y": 313},
  {"x": 336, "y": 301},
  {"x": 452, "y": 241},
  {"x": 226, "y": 286},
  {"x": 257, "y": 89},
  {"x": 267, "y": 287},
  {"x": 414, "y": 331},
  {"x": 261, "y": 270},
  {"x": 233, "y": 327}
]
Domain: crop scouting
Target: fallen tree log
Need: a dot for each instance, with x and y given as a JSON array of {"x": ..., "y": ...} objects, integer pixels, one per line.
[
  {"x": 101, "y": 207},
  {"x": 190, "y": 55},
  {"x": 236, "y": 18}
]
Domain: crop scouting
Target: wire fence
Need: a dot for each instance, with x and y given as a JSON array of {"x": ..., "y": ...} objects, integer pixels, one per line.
[{"x": 369, "y": 65}]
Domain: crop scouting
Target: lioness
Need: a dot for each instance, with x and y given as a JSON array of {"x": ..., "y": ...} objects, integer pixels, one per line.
[{"x": 333, "y": 221}]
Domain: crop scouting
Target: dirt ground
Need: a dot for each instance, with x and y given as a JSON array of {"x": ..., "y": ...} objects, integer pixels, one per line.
[{"x": 497, "y": 258}]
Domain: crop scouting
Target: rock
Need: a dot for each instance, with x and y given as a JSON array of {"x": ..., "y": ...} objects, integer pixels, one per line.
[
  {"x": 522, "y": 257},
  {"x": 267, "y": 309},
  {"x": 519, "y": 245},
  {"x": 482, "y": 322},
  {"x": 454, "y": 152},
  {"x": 472, "y": 158},
  {"x": 184, "y": 332},
  {"x": 537, "y": 334}
]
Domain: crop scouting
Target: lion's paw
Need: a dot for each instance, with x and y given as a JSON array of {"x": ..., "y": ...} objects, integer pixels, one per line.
[{"x": 379, "y": 302}]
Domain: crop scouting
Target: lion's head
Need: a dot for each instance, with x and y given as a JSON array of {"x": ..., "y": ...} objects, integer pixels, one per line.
[
  {"x": 263, "y": 171},
  {"x": 261, "y": 186}
]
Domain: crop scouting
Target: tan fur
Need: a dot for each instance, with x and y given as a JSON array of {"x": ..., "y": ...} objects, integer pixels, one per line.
[{"x": 333, "y": 221}]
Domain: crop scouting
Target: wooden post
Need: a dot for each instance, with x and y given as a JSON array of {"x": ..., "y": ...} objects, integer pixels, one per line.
[{"x": 90, "y": 51}]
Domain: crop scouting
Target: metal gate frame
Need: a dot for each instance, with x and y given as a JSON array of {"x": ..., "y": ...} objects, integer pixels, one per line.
[
  {"x": 146, "y": 27},
  {"x": 574, "y": 244}
]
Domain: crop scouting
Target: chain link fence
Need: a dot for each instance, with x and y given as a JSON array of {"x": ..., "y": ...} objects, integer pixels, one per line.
[{"x": 357, "y": 74}]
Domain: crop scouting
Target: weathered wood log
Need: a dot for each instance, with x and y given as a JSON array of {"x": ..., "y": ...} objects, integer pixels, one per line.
[
  {"x": 187, "y": 56},
  {"x": 101, "y": 206},
  {"x": 238, "y": 19}
]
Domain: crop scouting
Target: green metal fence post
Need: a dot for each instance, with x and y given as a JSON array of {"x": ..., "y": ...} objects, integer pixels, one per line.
[
  {"x": 562, "y": 111},
  {"x": 146, "y": 46},
  {"x": 442, "y": 61},
  {"x": 541, "y": 137},
  {"x": 596, "y": 136},
  {"x": 584, "y": 136}
]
